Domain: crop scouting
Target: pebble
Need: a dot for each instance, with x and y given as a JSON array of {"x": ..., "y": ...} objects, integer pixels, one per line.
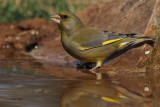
[
  {"x": 146, "y": 89},
  {"x": 147, "y": 52},
  {"x": 37, "y": 32},
  {"x": 33, "y": 32},
  {"x": 36, "y": 47}
]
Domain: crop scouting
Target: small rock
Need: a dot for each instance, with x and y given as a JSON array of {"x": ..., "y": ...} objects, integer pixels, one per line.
[
  {"x": 36, "y": 47},
  {"x": 147, "y": 52},
  {"x": 146, "y": 89},
  {"x": 33, "y": 32},
  {"x": 36, "y": 32}
]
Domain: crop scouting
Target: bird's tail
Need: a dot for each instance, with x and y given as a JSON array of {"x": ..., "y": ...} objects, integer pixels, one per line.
[{"x": 134, "y": 39}]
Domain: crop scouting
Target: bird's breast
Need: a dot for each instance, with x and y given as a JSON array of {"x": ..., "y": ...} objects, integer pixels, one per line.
[{"x": 70, "y": 46}]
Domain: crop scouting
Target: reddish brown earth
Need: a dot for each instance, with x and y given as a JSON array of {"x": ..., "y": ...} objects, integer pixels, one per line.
[{"x": 134, "y": 69}]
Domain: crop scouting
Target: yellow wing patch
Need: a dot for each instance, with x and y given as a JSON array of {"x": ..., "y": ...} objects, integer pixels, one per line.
[
  {"x": 84, "y": 48},
  {"x": 111, "y": 41},
  {"x": 103, "y": 43},
  {"x": 110, "y": 100}
]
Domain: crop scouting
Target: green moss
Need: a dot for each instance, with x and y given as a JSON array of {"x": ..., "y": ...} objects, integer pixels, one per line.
[
  {"x": 18, "y": 10},
  {"x": 60, "y": 5},
  {"x": 10, "y": 12},
  {"x": 157, "y": 35},
  {"x": 153, "y": 58}
]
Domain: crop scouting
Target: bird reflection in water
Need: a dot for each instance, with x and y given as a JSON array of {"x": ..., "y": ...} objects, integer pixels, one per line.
[{"x": 100, "y": 93}]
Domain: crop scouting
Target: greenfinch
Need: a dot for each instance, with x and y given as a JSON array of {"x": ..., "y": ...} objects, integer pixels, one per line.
[{"x": 90, "y": 44}]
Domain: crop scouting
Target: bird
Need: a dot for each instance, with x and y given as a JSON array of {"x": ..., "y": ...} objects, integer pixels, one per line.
[{"x": 90, "y": 44}]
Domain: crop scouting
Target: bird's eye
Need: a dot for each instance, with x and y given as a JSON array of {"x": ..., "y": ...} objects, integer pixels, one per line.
[{"x": 64, "y": 16}]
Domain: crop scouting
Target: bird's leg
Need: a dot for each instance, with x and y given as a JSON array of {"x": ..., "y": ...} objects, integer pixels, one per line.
[{"x": 93, "y": 70}]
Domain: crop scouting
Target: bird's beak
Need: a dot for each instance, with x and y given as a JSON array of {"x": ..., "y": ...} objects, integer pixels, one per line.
[{"x": 56, "y": 18}]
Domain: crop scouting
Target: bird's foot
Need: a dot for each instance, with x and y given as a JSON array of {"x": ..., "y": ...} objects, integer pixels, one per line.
[
  {"x": 94, "y": 70},
  {"x": 98, "y": 74}
]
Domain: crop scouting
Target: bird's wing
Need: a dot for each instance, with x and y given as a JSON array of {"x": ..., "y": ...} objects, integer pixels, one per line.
[{"x": 105, "y": 38}]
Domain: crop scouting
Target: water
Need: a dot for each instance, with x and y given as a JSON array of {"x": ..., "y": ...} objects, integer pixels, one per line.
[
  {"x": 30, "y": 93},
  {"x": 29, "y": 83}
]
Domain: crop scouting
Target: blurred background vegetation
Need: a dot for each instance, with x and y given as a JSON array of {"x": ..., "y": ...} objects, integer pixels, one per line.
[{"x": 18, "y": 10}]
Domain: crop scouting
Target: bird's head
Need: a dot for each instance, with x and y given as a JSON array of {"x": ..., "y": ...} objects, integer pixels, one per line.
[{"x": 67, "y": 21}]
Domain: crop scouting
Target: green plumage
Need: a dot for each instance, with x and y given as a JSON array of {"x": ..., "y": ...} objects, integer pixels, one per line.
[{"x": 90, "y": 44}]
